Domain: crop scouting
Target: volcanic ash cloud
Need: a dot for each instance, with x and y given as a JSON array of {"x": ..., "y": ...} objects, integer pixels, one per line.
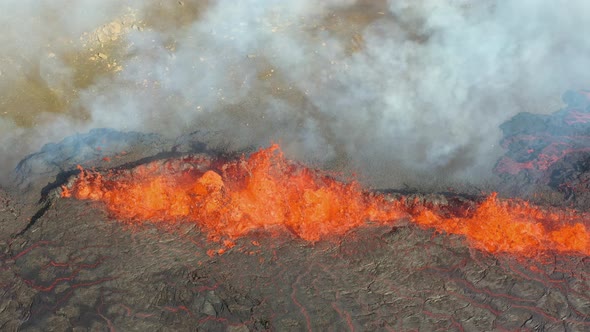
[{"x": 397, "y": 91}]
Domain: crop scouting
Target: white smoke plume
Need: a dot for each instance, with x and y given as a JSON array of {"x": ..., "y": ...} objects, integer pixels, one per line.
[{"x": 398, "y": 91}]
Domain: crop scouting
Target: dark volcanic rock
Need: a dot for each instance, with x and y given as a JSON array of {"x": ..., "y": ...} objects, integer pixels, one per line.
[
  {"x": 76, "y": 269},
  {"x": 98, "y": 147},
  {"x": 9, "y": 214},
  {"x": 549, "y": 151}
]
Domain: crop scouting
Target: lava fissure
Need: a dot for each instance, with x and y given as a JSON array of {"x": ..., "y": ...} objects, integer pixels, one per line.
[
  {"x": 40, "y": 213},
  {"x": 229, "y": 199}
]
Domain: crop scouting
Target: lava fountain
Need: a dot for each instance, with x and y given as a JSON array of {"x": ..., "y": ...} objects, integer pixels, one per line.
[{"x": 265, "y": 191}]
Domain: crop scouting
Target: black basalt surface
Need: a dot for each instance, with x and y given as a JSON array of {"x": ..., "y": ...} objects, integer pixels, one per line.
[
  {"x": 548, "y": 154},
  {"x": 76, "y": 269}
]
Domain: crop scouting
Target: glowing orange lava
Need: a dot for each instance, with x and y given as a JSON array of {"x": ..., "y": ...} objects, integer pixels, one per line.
[
  {"x": 514, "y": 226},
  {"x": 267, "y": 192},
  {"x": 231, "y": 199}
]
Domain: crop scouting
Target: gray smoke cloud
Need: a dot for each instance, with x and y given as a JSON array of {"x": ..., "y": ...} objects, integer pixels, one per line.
[{"x": 398, "y": 91}]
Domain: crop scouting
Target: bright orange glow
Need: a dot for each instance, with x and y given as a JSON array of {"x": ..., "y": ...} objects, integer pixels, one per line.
[
  {"x": 267, "y": 192},
  {"x": 514, "y": 226},
  {"x": 231, "y": 199}
]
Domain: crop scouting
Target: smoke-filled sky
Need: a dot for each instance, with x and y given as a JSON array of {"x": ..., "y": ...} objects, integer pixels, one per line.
[{"x": 395, "y": 91}]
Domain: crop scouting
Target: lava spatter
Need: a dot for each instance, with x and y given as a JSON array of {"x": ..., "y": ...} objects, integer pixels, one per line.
[
  {"x": 514, "y": 226},
  {"x": 265, "y": 191}
]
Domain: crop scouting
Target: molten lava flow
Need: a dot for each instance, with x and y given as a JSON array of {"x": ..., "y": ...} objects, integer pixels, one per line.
[
  {"x": 267, "y": 192},
  {"x": 231, "y": 199},
  {"x": 515, "y": 227}
]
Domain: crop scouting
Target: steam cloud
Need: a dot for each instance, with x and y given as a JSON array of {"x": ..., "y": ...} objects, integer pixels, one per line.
[{"x": 396, "y": 90}]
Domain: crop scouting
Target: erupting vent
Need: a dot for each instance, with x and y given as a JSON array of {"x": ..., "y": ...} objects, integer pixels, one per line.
[
  {"x": 267, "y": 192},
  {"x": 515, "y": 226}
]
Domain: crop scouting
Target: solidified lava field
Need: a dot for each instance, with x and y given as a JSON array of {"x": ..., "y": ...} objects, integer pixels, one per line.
[
  {"x": 143, "y": 185},
  {"x": 69, "y": 264}
]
